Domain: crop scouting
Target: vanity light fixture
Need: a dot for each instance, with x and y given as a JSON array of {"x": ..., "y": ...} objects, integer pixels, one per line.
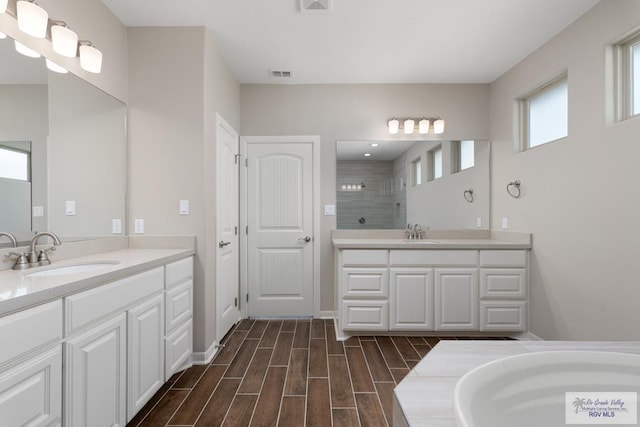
[
  {"x": 394, "y": 125},
  {"x": 55, "y": 67},
  {"x": 20, "y": 48},
  {"x": 375, "y": 144},
  {"x": 90, "y": 57},
  {"x": 3, "y": 6},
  {"x": 409, "y": 125},
  {"x": 63, "y": 39},
  {"x": 367, "y": 154},
  {"x": 32, "y": 19}
]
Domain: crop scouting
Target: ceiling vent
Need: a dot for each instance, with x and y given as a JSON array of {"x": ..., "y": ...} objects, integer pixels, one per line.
[
  {"x": 316, "y": 6},
  {"x": 281, "y": 73}
]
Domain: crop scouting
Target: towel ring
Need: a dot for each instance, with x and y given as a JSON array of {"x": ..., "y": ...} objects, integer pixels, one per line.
[
  {"x": 513, "y": 188},
  {"x": 468, "y": 195}
]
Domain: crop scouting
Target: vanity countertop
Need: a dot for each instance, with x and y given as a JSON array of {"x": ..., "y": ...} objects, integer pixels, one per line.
[
  {"x": 427, "y": 243},
  {"x": 425, "y": 396},
  {"x": 19, "y": 290}
]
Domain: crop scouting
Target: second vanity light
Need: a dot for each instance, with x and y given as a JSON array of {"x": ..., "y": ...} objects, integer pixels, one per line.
[{"x": 409, "y": 125}]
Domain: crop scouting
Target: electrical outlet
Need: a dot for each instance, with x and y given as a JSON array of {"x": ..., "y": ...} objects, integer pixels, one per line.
[
  {"x": 116, "y": 226},
  {"x": 505, "y": 223},
  {"x": 38, "y": 211},
  {"x": 479, "y": 222},
  {"x": 138, "y": 226},
  {"x": 329, "y": 210}
]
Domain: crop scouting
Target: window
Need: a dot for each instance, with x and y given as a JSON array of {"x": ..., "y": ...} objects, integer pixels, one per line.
[
  {"x": 435, "y": 163},
  {"x": 416, "y": 171},
  {"x": 628, "y": 77},
  {"x": 14, "y": 164},
  {"x": 462, "y": 153},
  {"x": 544, "y": 114}
]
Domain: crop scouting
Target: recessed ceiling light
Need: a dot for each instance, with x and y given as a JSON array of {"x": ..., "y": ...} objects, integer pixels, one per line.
[
  {"x": 367, "y": 154},
  {"x": 375, "y": 144}
]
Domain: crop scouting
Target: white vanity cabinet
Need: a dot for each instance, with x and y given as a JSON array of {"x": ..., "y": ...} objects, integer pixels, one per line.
[
  {"x": 503, "y": 290},
  {"x": 31, "y": 367},
  {"x": 453, "y": 290},
  {"x": 178, "y": 342},
  {"x": 113, "y": 352}
]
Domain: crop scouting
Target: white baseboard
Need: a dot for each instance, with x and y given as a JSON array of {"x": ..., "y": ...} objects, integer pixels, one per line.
[
  {"x": 204, "y": 358},
  {"x": 327, "y": 314}
]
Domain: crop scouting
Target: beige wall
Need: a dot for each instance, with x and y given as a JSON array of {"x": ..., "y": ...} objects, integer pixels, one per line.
[
  {"x": 579, "y": 196},
  {"x": 356, "y": 112},
  {"x": 177, "y": 82}
]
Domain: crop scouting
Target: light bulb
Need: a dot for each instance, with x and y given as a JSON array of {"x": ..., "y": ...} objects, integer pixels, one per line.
[
  {"x": 64, "y": 41},
  {"x": 2, "y": 35},
  {"x": 409, "y": 124},
  {"x": 438, "y": 126},
  {"x": 423, "y": 126},
  {"x": 90, "y": 58},
  {"x": 3, "y": 6},
  {"x": 55, "y": 67},
  {"x": 32, "y": 19},
  {"x": 25, "y": 50},
  {"x": 394, "y": 125}
]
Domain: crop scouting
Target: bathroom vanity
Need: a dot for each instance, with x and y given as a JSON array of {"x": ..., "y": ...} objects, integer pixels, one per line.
[
  {"x": 447, "y": 282},
  {"x": 96, "y": 335}
]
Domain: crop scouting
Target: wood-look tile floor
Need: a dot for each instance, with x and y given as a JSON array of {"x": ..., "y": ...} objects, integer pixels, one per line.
[{"x": 289, "y": 373}]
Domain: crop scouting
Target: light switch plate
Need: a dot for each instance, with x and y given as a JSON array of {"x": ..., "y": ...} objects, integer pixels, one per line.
[
  {"x": 505, "y": 223},
  {"x": 184, "y": 207},
  {"x": 38, "y": 211},
  {"x": 479, "y": 222},
  {"x": 138, "y": 226},
  {"x": 329, "y": 210},
  {"x": 116, "y": 226},
  {"x": 70, "y": 207}
]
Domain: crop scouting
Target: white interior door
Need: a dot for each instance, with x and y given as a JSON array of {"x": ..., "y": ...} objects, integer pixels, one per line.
[
  {"x": 228, "y": 255},
  {"x": 280, "y": 248}
]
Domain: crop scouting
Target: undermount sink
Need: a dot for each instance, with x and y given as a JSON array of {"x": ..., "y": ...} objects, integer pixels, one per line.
[{"x": 72, "y": 269}]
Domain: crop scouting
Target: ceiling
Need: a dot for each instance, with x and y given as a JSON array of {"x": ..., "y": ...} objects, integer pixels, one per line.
[{"x": 366, "y": 41}]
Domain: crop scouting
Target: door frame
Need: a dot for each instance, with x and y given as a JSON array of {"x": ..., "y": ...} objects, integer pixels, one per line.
[{"x": 289, "y": 139}]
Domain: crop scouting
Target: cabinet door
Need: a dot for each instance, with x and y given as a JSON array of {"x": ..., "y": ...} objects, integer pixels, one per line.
[
  {"x": 30, "y": 393},
  {"x": 456, "y": 302},
  {"x": 411, "y": 300},
  {"x": 364, "y": 315},
  {"x": 95, "y": 376},
  {"x": 145, "y": 327},
  {"x": 365, "y": 282},
  {"x": 178, "y": 347}
]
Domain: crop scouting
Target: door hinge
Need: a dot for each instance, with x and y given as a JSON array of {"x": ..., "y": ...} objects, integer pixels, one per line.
[
  {"x": 235, "y": 230},
  {"x": 247, "y": 297},
  {"x": 235, "y": 302},
  {"x": 246, "y": 230},
  {"x": 235, "y": 158},
  {"x": 246, "y": 163}
]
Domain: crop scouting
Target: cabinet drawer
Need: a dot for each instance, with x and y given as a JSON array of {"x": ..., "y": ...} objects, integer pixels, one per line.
[
  {"x": 365, "y": 282},
  {"x": 503, "y": 283},
  {"x": 503, "y": 258},
  {"x": 365, "y": 257},
  {"x": 440, "y": 258},
  {"x": 179, "y": 271},
  {"x": 365, "y": 315},
  {"x": 503, "y": 316},
  {"x": 178, "y": 305},
  {"x": 29, "y": 329},
  {"x": 178, "y": 348},
  {"x": 93, "y": 304}
]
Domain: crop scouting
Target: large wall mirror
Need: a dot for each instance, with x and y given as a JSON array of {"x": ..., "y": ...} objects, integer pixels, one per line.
[
  {"x": 388, "y": 184},
  {"x": 63, "y": 152}
]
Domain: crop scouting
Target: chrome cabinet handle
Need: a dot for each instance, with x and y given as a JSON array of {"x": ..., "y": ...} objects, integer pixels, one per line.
[
  {"x": 307, "y": 239},
  {"x": 222, "y": 244}
]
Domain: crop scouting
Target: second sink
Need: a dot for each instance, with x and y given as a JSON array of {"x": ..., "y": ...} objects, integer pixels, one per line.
[{"x": 71, "y": 269}]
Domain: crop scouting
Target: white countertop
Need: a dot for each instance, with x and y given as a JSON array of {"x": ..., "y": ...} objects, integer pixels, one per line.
[
  {"x": 425, "y": 396},
  {"x": 19, "y": 290},
  {"x": 377, "y": 243}
]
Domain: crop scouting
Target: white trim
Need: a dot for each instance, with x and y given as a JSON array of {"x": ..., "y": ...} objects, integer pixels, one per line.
[
  {"x": 204, "y": 358},
  {"x": 327, "y": 314},
  {"x": 315, "y": 143},
  {"x": 526, "y": 336}
]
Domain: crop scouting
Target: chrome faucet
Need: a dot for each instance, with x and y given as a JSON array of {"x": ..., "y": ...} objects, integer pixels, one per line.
[
  {"x": 414, "y": 232},
  {"x": 40, "y": 258},
  {"x": 11, "y": 237}
]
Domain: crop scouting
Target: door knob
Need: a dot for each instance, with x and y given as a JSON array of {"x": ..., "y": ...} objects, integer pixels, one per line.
[
  {"x": 222, "y": 244},
  {"x": 305, "y": 238}
]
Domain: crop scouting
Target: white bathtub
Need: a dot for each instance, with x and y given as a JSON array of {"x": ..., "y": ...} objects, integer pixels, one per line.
[{"x": 531, "y": 389}]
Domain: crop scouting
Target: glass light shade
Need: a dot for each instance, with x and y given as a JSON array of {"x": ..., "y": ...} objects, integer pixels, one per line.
[
  {"x": 423, "y": 126},
  {"x": 2, "y": 36},
  {"x": 394, "y": 125},
  {"x": 55, "y": 67},
  {"x": 3, "y": 6},
  {"x": 64, "y": 40},
  {"x": 25, "y": 50},
  {"x": 438, "y": 126},
  {"x": 90, "y": 59},
  {"x": 32, "y": 19},
  {"x": 409, "y": 124}
]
